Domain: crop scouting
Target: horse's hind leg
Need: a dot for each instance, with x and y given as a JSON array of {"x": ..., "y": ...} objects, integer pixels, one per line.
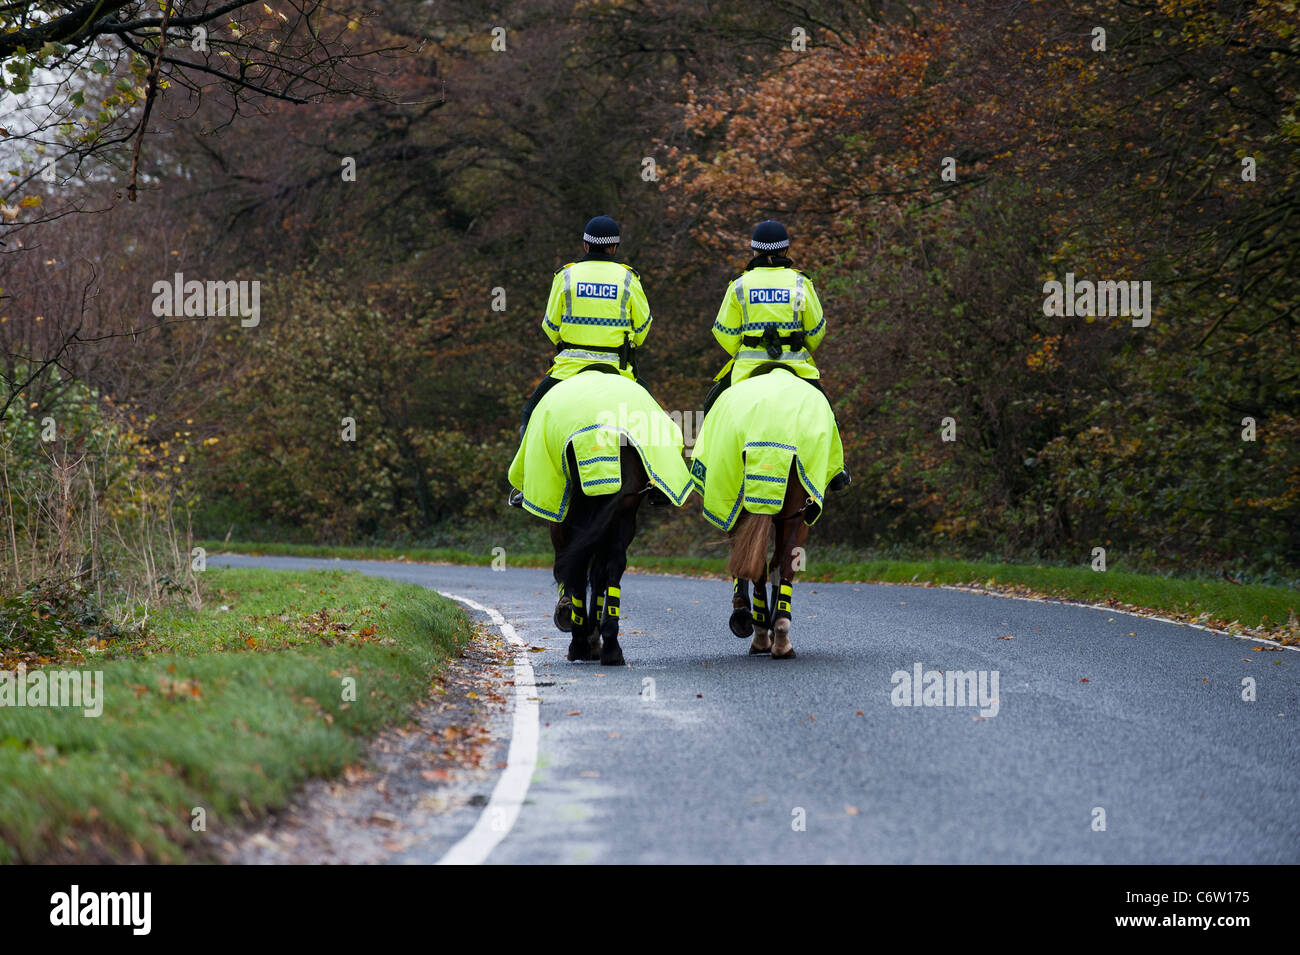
[
  {"x": 582, "y": 621},
  {"x": 599, "y": 584},
  {"x": 742, "y": 618},
  {"x": 563, "y": 607},
  {"x": 792, "y": 534},
  {"x": 762, "y": 642},
  {"x": 621, "y": 534}
]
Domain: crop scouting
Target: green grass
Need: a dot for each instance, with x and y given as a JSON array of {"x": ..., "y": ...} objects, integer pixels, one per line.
[
  {"x": 1264, "y": 609},
  {"x": 227, "y": 710}
]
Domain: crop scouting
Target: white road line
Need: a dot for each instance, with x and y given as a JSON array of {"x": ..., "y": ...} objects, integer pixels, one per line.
[
  {"x": 1105, "y": 609},
  {"x": 497, "y": 818}
]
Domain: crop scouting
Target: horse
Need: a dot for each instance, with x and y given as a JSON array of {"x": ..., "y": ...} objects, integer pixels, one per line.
[
  {"x": 765, "y": 454},
  {"x": 596, "y": 445}
]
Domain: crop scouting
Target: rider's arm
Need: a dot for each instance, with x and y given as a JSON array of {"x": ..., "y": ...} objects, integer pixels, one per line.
[
  {"x": 554, "y": 316},
  {"x": 814, "y": 322},
  {"x": 638, "y": 309},
  {"x": 727, "y": 326}
]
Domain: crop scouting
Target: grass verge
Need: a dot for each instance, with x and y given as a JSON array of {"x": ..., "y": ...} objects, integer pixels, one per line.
[
  {"x": 225, "y": 710},
  {"x": 1258, "y": 610}
]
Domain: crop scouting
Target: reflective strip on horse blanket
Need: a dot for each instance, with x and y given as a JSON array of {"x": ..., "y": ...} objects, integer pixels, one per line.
[
  {"x": 593, "y": 412},
  {"x": 749, "y": 438}
]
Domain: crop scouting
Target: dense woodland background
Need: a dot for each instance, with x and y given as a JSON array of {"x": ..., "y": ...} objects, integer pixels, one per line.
[{"x": 477, "y": 168}]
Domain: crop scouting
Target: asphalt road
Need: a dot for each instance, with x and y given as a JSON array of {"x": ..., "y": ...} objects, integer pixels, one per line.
[{"x": 1115, "y": 739}]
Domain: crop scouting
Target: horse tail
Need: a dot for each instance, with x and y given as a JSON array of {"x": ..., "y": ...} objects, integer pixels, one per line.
[
  {"x": 573, "y": 559},
  {"x": 749, "y": 546}
]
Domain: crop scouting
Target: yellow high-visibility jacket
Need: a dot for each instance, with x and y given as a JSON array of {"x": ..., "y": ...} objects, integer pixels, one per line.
[
  {"x": 770, "y": 297},
  {"x": 595, "y": 305}
]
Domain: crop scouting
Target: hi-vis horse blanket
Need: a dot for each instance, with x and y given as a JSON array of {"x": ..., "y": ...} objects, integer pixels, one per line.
[
  {"x": 594, "y": 412},
  {"x": 749, "y": 437}
]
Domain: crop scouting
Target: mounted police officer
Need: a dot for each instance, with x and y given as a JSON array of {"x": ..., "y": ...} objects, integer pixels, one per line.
[
  {"x": 597, "y": 315},
  {"x": 770, "y": 316}
]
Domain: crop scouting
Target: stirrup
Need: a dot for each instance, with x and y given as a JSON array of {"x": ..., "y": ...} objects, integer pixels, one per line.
[
  {"x": 516, "y": 498},
  {"x": 840, "y": 481},
  {"x": 655, "y": 497}
]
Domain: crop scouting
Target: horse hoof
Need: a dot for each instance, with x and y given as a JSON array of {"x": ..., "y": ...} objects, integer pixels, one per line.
[
  {"x": 781, "y": 648},
  {"x": 563, "y": 615},
  {"x": 579, "y": 650},
  {"x": 612, "y": 655},
  {"x": 762, "y": 641},
  {"x": 754, "y": 650},
  {"x": 741, "y": 622}
]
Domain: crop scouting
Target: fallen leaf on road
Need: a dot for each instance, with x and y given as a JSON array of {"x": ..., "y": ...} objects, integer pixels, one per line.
[{"x": 574, "y": 713}]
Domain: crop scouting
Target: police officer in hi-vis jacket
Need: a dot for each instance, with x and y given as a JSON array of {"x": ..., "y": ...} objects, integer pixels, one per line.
[
  {"x": 770, "y": 315},
  {"x": 597, "y": 314}
]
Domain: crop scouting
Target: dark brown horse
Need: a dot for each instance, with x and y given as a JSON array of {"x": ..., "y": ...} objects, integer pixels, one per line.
[{"x": 769, "y": 620}]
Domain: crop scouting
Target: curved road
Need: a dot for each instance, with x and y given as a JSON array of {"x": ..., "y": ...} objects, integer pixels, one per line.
[{"x": 1114, "y": 738}]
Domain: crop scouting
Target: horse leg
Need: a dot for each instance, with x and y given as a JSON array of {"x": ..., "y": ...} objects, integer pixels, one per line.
[
  {"x": 762, "y": 642},
  {"x": 582, "y": 623},
  {"x": 624, "y": 530},
  {"x": 562, "y": 617},
  {"x": 742, "y": 619},
  {"x": 791, "y": 535},
  {"x": 599, "y": 582},
  {"x": 617, "y": 540}
]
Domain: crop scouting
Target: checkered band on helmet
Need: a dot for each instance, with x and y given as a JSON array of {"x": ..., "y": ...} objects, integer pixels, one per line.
[
  {"x": 601, "y": 230},
  {"x": 769, "y": 236}
]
